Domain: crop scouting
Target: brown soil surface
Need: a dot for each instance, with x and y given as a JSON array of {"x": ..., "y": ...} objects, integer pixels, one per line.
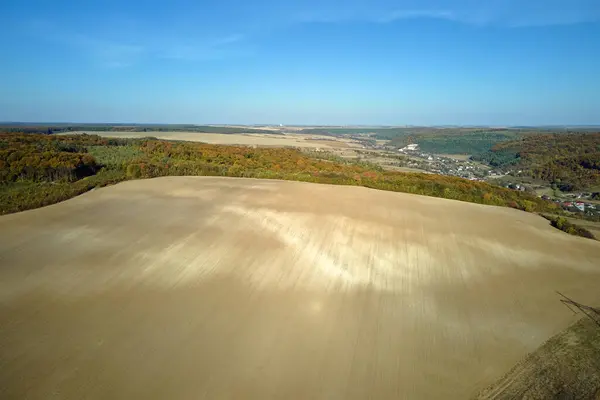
[
  {"x": 245, "y": 139},
  {"x": 192, "y": 287}
]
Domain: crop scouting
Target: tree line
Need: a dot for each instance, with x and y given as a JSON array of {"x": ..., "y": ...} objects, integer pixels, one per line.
[
  {"x": 66, "y": 128},
  {"x": 41, "y": 168}
]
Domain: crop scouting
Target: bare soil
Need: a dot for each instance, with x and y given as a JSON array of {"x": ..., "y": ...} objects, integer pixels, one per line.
[
  {"x": 249, "y": 139},
  {"x": 197, "y": 287}
]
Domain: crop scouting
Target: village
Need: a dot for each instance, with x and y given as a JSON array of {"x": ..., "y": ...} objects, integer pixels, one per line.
[
  {"x": 411, "y": 157},
  {"x": 443, "y": 165},
  {"x": 580, "y": 203},
  {"x": 572, "y": 202}
]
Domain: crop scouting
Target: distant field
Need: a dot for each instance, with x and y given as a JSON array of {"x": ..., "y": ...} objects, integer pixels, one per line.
[
  {"x": 460, "y": 157},
  {"x": 375, "y": 133},
  {"x": 544, "y": 191},
  {"x": 591, "y": 226},
  {"x": 409, "y": 169},
  {"x": 271, "y": 140}
]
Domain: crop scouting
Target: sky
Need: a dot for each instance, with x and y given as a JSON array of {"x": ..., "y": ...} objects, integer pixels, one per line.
[{"x": 311, "y": 62}]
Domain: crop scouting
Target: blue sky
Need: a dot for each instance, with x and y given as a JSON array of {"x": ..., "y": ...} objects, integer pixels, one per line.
[{"x": 427, "y": 62}]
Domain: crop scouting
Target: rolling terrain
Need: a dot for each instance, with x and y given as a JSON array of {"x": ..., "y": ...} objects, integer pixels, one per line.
[
  {"x": 211, "y": 287},
  {"x": 246, "y": 139},
  {"x": 567, "y": 366},
  {"x": 38, "y": 170}
]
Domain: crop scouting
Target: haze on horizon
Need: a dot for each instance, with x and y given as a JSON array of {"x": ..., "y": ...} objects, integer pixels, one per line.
[{"x": 382, "y": 62}]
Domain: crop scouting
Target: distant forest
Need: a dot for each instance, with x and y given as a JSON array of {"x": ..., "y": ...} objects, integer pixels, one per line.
[
  {"x": 66, "y": 128},
  {"x": 567, "y": 161},
  {"x": 458, "y": 141},
  {"x": 450, "y": 140},
  {"x": 38, "y": 170}
]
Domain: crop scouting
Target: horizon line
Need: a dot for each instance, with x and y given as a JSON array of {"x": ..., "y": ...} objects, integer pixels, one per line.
[{"x": 5, "y": 123}]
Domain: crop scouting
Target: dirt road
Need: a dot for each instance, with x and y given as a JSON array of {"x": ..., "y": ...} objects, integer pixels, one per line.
[{"x": 218, "y": 288}]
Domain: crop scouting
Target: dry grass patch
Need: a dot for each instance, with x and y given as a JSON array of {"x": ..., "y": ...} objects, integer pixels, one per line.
[{"x": 565, "y": 367}]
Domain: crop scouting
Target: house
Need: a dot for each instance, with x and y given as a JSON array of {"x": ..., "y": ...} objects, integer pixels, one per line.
[
  {"x": 410, "y": 147},
  {"x": 580, "y": 206}
]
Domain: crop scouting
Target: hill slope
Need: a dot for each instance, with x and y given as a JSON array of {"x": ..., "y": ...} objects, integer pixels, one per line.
[
  {"x": 565, "y": 367},
  {"x": 190, "y": 287},
  {"x": 570, "y": 161}
]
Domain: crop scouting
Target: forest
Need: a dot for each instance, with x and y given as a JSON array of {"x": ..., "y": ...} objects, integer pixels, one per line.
[
  {"x": 457, "y": 141},
  {"x": 401, "y": 136},
  {"x": 437, "y": 140},
  {"x": 39, "y": 170},
  {"x": 567, "y": 161},
  {"x": 498, "y": 147},
  {"x": 66, "y": 128}
]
